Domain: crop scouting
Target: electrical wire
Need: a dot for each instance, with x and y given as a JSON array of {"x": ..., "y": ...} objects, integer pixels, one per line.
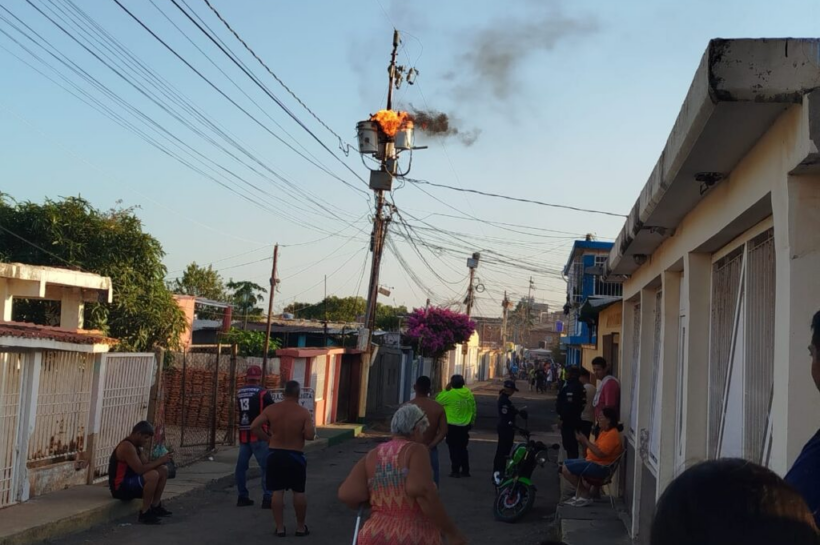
[
  {"x": 344, "y": 146},
  {"x": 274, "y": 98},
  {"x": 516, "y": 199},
  {"x": 73, "y": 266},
  {"x": 139, "y": 114}
]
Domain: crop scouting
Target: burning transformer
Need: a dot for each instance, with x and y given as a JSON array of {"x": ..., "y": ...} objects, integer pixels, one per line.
[{"x": 384, "y": 136}]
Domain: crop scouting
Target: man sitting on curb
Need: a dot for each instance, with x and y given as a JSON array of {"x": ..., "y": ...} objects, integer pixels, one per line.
[{"x": 132, "y": 476}]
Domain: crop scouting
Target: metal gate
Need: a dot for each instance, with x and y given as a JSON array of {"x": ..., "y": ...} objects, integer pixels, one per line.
[
  {"x": 63, "y": 406},
  {"x": 198, "y": 390},
  {"x": 127, "y": 381},
  {"x": 11, "y": 375}
]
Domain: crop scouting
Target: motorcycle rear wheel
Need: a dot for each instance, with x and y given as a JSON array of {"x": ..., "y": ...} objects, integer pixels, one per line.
[{"x": 513, "y": 502}]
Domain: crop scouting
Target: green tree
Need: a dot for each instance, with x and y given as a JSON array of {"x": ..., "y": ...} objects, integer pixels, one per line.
[
  {"x": 347, "y": 309},
  {"x": 250, "y": 343},
  {"x": 246, "y": 295},
  {"x": 70, "y": 233},
  {"x": 390, "y": 318},
  {"x": 200, "y": 282}
]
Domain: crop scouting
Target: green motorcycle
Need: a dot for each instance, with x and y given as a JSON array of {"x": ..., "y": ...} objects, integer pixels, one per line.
[{"x": 515, "y": 492}]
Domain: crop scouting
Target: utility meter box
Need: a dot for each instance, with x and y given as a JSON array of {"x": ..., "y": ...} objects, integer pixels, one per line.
[{"x": 380, "y": 179}]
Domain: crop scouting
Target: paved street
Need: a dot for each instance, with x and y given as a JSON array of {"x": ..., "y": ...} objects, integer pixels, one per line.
[{"x": 211, "y": 517}]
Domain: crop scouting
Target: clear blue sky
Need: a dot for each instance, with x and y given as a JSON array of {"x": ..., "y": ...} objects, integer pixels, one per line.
[{"x": 573, "y": 101}]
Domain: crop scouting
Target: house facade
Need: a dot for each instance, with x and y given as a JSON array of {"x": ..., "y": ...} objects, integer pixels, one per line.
[
  {"x": 584, "y": 274},
  {"x": 65, "y": 402},
  {"x": 719, "y": 260}
]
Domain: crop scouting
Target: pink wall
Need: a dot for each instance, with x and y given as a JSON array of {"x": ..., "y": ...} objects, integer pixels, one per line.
[{"x": 188, "y": 305}]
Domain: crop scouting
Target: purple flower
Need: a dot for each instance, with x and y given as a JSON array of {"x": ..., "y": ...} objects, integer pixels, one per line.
[{"x": 438, "y": 330}]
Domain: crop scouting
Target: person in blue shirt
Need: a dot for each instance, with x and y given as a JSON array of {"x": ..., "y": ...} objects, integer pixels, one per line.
[{"x": 805, "y": 473}]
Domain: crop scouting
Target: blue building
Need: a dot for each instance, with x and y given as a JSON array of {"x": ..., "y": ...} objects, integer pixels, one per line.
[{"x": 583, "y": 274}]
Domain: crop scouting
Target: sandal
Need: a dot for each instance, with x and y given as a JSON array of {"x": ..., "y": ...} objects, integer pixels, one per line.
[
  {"x": 283, "y": 533},
  {"x": 303, "y": 534}
]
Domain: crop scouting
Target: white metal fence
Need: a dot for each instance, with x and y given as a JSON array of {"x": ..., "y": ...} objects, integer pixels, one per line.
[
  {"x": 126, "y": 387},
  {"x": 11, "y": 374},
  {"x": 63, "y": 404}
]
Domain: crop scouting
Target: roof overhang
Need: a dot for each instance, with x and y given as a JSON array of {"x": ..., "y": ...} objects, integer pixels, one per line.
[
  {"x": 739, "y": 89},
  {"x": 50, "y": 283},
  {"x": 15, "y": 343},
  {"x": 593, "y": 306}
]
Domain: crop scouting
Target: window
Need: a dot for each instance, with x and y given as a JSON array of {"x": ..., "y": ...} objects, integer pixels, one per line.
[{"x": 741, "y": 368}]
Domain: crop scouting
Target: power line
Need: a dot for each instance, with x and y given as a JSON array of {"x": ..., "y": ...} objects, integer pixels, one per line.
[
  {"x": 221, "y": 92},
  {"x": 30, "y": 243},
  {"x": 344, "y": 146},
  {"x": 271, "y": 95},
  {"x": 138, "y": 114},
  {"x": 516, "y": 199},
  {"x": 170, "y": 110}
]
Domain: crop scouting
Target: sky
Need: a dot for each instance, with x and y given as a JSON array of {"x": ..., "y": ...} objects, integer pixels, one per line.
[{"x": 568, "y": 103}]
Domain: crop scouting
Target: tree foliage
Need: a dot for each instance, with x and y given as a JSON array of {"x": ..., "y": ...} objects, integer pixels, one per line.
[
  {"x": 347, "y": 309},
  {"x": 70, "y": 233},
  {"x": 245, "y": 296},
  {"x": 200, "y": 282},
  {"x": 250, "y": 343},
  {"x": 438, "y": 330}
]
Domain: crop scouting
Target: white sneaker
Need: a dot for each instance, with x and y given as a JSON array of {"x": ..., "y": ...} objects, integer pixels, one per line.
[
  {"x": 583, "y": 502},
  {"x": 572, "y": 501}
]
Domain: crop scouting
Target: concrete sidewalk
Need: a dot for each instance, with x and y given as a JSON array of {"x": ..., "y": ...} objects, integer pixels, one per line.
[
  {"x": 79, "y": 508},
  {"x": 597, "y": 524}
]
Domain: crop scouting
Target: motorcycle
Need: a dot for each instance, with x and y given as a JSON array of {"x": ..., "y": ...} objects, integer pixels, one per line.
[{"x": 515, "y": 492}]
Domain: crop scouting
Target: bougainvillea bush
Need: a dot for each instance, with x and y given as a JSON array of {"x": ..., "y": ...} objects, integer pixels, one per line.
[{"x": 438, "y": 330}]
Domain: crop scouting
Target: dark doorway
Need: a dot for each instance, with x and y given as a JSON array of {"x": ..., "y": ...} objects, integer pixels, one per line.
[{"x": 347, "y": 405}]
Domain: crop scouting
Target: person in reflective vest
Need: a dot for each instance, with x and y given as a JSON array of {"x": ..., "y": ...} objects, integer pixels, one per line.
[{"x": 251, "y": 400}]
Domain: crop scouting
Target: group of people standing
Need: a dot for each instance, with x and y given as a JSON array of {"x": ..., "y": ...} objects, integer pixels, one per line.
[
  {"x": 589, "y": 427},
  {"x": 273, "y": 433}
]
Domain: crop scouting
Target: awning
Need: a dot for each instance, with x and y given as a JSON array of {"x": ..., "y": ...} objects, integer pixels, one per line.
[{"x": 594, "y": 305}]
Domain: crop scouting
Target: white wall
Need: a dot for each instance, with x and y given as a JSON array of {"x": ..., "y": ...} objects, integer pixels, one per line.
[{"x": 684, "y": 270}]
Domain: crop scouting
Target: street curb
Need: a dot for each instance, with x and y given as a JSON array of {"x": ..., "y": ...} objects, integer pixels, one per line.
[
  {"x": 115, "y": 510},
  {"x": 73, "y": 524}
]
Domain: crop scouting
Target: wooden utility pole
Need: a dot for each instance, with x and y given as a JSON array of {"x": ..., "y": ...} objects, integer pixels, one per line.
[
  {"x": 273, "y": 283},
  {"x": 472, "y": 263},
  {"x": 505, "y": 305},
  {"x": 380, "y": 223}
]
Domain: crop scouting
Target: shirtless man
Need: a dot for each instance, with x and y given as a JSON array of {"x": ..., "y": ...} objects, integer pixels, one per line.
[
  {"x": 132, "y": 476},
  {"x": 437, "y": 431},
  {"x": 290, "y": 426}
]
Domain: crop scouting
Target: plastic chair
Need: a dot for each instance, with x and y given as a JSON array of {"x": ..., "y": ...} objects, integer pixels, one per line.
[{"x": 605, "y": 481}]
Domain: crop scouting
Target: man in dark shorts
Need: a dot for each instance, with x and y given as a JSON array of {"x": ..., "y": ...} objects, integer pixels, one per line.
[
  {"x": 132, "y": 476},
  {"x": 290, "y": 426}
]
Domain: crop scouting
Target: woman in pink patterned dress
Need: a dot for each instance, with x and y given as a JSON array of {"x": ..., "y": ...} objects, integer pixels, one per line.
[{"x": 396, "y": 480}]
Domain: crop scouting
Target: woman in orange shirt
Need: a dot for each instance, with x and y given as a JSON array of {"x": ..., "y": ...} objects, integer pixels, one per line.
[{"x": 600, "y": 454}]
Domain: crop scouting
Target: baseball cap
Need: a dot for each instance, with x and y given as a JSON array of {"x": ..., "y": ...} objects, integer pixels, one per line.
[
  {"x": 510, "y": 384},
  {"x": 254, "y": 371}
]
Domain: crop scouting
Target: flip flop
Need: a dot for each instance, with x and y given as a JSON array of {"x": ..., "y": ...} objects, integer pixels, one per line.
[
  {"x": 303, "y": 534},
  {"x": 283, "y": 533}
]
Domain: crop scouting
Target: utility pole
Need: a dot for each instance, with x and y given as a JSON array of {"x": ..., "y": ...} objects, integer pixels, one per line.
[
  {"x": 472, "y": 263},
  {"x": 375, "y": 140},
  {"x": 324, "y": 327},
  {"x": 273, "y": 282},
  {"x": 505, "y": 305}
]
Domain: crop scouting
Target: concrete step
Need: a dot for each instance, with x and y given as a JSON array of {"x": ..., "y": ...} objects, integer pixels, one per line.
[{"x": 338, "y": 433}]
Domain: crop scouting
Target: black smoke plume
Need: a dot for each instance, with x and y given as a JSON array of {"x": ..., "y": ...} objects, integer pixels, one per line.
[{"x": 437, "y": 124}]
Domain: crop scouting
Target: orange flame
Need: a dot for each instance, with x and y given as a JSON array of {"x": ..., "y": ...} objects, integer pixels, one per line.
[{"x": 390, "y": 121}]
